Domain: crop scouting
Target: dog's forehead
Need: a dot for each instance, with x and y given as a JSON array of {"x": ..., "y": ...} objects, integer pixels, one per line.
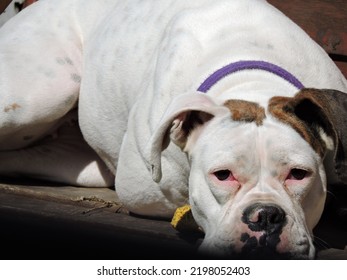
[
  {"x": 243, "y": 132},
  {"x": 249, "y": 148},
  {"x": 252, "y": 112}
]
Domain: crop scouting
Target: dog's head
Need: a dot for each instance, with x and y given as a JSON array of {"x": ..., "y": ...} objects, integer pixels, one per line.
[{"x": 257, "y": 184}]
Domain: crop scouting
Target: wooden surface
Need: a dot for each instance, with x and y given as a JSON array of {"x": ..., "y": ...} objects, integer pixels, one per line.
[
  {"x": 64, "y": 226},
  {"x": 4, "y": 4}
]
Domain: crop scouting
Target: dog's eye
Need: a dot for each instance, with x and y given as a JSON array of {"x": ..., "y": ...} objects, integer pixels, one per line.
[
  {"x": 297, "y": 174},
  {"x": 223, "y": 175}
]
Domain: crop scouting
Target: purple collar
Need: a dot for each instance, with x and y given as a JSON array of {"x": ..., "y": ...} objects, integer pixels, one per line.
[{"x": 248, "y": 65}]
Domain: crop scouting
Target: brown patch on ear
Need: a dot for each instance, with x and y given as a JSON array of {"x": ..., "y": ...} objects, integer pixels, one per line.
[
  {"x": 305, "y": 114},
  {"x": 246, "y": 111}
]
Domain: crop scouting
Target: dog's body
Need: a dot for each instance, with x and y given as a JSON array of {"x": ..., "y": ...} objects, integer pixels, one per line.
[{"x": 255, "y": 160}]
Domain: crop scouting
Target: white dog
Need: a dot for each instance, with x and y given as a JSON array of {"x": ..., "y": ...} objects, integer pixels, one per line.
[{"x": 207, "y": 102}]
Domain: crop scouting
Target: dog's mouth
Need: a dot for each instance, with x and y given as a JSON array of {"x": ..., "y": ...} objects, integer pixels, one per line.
[
  {"x": 263, "y": 231},
  {"x": 260, "y": 246},
  {"x": 263, "y": 247},
  {"x": 266, "y": 246}
]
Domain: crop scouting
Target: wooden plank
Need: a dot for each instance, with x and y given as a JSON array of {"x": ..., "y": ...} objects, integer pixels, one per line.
[
  {"x": 40, "y": 229},
  {"x": 325, "y": 21},
  {"x": 88, "y": 197},
  {"x": 4, "y": 4}
]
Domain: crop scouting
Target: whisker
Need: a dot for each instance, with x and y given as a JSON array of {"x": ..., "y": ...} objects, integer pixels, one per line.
[
  {"x": 331, "y": 194},
  {"x": 320, "y": 243}
]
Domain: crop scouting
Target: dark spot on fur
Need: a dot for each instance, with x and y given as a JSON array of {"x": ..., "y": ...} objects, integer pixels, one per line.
[
  {"x": 244, "y": 237},
  {"x": 76, "y": 78},
  {"x": 12, "y": 107},
  {"x": 68, "y": 61},
  {"x": 250, "y": 244},
  {"x": 265, "y": 248},
  {"x": 60, "y": 61}
]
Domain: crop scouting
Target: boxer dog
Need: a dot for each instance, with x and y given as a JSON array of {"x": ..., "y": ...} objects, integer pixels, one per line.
[{"x": 226, "y": 105}]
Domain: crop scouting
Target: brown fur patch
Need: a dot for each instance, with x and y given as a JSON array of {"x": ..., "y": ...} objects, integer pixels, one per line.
[
  {"x": 12, "y": 107},
  {"x": 246, "y": 111},
  {"x": 300, "y": 116}
]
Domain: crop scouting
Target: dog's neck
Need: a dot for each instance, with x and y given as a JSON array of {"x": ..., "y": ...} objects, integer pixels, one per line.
[{"x": 242, "y": 65}]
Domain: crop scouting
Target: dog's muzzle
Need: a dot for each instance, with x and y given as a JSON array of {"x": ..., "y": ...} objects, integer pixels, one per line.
[{"x": 267, "y": 222}]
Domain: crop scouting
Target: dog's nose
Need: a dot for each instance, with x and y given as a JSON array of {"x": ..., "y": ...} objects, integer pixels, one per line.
[{"x": 264, "y": 217}]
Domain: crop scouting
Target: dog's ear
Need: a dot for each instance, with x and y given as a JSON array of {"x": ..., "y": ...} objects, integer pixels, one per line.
[
  {"x": 323, "y": 112},
  {"x": 185, "y": 113}
]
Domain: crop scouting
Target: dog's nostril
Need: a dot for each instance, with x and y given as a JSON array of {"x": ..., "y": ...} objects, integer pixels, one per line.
[
  {"x": 270, "y": 215},
  {"x": 260, "y": 217}
]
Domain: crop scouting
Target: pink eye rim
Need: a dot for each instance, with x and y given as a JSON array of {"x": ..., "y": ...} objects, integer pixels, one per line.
[
  {"x": 298, "y": 174},
  {"x": 224, "y": 175}
]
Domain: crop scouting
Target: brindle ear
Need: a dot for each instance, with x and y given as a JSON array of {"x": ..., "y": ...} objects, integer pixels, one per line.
[{"x": 323, "y": 112}]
